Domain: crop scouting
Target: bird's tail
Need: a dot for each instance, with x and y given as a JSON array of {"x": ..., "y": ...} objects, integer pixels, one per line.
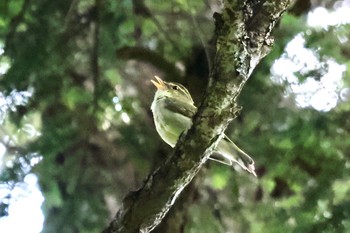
[{"x": 228, "y": 153}]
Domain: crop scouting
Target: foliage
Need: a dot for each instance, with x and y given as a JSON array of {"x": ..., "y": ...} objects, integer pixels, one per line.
[{"x": 88, "y": 125}]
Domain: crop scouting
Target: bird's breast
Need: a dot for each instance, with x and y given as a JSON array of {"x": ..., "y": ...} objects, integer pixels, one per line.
[{"x": 169, "y": 125}]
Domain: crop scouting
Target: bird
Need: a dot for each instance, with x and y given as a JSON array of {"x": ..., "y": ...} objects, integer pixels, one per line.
[{"x": 173, "y": 109}]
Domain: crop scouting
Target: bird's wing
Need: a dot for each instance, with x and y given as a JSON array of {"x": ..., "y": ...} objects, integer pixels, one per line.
[{"x": 180, "y": 107}]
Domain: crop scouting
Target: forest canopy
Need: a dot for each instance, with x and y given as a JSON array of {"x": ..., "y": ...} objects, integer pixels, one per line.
[{"x": 76, "y": 124}]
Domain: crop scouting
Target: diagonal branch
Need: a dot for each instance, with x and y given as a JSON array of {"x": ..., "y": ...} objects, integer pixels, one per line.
[
  {"x": 243, "y": 38},
  {"x": 153, "y": 58}
]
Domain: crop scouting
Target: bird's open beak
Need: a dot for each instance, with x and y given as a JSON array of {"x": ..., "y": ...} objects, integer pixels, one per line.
[{"x": 159, "y": 83}]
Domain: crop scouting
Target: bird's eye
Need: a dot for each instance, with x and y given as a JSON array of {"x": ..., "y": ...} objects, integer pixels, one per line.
[{"x": 175, "y": 88}]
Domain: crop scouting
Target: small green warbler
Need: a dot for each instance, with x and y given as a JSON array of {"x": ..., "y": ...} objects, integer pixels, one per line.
[{"x": 173, "y": 109}]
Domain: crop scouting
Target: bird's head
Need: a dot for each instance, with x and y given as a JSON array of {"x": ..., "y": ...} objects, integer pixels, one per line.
[{"x": 171, "y": 90}]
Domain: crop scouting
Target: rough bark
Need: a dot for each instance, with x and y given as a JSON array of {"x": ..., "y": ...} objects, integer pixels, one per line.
[{"x": 243, "y": 38}]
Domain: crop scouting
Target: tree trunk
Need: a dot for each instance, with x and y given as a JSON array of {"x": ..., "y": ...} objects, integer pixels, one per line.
[{"x": 243, "y": 38}]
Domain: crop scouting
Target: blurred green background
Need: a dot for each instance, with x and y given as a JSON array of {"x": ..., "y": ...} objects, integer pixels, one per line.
[{"x": 75, "y": 114}]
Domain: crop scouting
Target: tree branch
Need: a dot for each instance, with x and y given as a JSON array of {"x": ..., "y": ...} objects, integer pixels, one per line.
[
  {"x": 243, "y": 38},
  {"x": 151, "y": 57},
  {"x": 94, "y": 54}
]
